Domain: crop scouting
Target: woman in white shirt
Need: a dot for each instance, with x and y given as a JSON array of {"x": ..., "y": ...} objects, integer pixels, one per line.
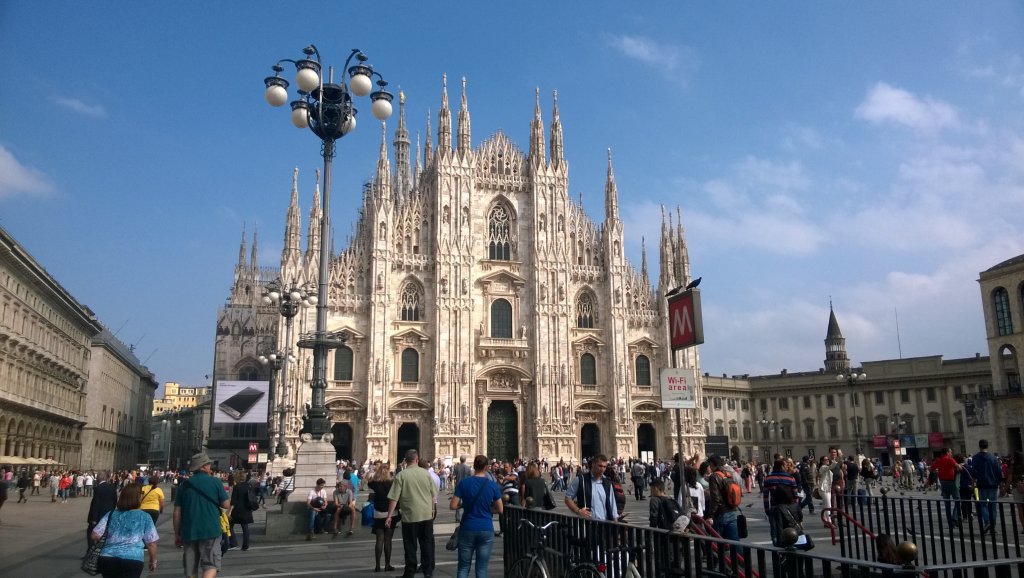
[
  {"x": 696, "y": 490},
  {"x": 825, "y": 482}
]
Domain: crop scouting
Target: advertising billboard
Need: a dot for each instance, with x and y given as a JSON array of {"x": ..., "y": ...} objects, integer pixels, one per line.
[{"x": 241, "y": 402}]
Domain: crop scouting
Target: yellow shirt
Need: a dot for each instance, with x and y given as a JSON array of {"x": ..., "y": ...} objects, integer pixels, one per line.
[{"x": 151, "y": 499}]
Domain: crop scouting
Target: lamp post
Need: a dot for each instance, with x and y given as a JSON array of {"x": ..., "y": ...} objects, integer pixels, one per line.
[
  {"x": 326, "y": 109},
  {"x": 770, "y": 425},
  {"x": 851, "y": 378},
  {"x": 169, "y": 428},
  {"x": 288, "y": 301}
]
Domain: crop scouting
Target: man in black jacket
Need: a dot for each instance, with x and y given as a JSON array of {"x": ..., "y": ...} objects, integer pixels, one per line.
[{"x": 104, "y": 499}]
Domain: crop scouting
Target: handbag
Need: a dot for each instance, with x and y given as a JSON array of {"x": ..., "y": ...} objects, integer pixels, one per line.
[
  {"x": 816, "y": 494},
  {"x": 91, "y": 562},
  {"x": 741, "y": 525},
  {"x": 549, "y": 502},
  {"x": 453, "y": 541},
  {"x": 225, "y": 524}
]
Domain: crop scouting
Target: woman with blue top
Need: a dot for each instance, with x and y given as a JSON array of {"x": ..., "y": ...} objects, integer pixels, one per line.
[
  {"x": 480, "y": 498},
  {"x": 130, "y": 529}
]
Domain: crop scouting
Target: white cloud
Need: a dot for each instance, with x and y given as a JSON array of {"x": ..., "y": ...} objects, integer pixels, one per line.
[
  {"x": 885, "y": 103},
  {"x": 93, "y": 110},
  {"x": 675, "y": 61},
  {"x": 16, "y": 178}
]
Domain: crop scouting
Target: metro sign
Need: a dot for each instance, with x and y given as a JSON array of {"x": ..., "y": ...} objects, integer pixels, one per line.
[{"x": 685, "y": 323}]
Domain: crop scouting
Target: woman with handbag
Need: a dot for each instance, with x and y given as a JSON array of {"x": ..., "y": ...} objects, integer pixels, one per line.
[
  {"x": 535, "y": 493},
  {"x": 480, "y": 498},
  {"x": 125, "y": 531},
  {"x": 787, "y": 514},
  {"x": 380, "y": 485},
  {"x": 243, "y": 502}
]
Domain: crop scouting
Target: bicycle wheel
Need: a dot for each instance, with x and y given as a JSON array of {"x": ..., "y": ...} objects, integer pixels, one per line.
[
  {"x": 584, "y": 571},
  {"x": 528, "y": 567}
]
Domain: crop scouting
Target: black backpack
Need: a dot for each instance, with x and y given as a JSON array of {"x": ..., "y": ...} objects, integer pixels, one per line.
[{"x": 670, "y": 512}]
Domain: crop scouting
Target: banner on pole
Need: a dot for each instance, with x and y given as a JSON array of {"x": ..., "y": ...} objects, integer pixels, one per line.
[{"x": 679, "y": 388}]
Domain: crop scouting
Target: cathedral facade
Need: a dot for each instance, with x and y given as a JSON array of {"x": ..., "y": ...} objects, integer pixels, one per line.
[{"x": 485, "y": 312}]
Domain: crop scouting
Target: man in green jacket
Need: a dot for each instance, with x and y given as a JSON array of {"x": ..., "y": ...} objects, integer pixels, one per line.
[{"x": 413, "y": 493}]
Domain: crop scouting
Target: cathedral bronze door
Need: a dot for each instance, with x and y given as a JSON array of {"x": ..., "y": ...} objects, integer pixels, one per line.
[
  {"x": 342, "y": 441},
  {"x": 590, "y": 441},
  {"x": 502, "y": 431},
  {"x": 408, "y": 439}
]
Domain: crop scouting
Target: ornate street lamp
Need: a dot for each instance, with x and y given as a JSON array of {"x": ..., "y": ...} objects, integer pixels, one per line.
[
  {"x": 326, "y": 109},
  {"x": 288, "y": 301},
  {"x": 770, "y": 425},
  {"x": 851, "y": 378}
]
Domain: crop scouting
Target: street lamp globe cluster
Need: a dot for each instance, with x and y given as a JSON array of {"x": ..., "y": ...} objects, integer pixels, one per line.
[
  {"x": 326, "y": 108},
  {"x": 851, "y": 379},
  {"x": 288, "y": 301}
]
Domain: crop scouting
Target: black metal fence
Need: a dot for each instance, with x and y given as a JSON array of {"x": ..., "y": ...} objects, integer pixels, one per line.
[
  {"x": 927, "y": 523},
  {"x": 654, "y": 553}
]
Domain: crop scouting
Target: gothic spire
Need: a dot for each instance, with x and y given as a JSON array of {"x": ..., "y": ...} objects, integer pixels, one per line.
[
  {"x": 836, "y": 360},
  {"x": 537, "y": 153},
  {"x": 419, "y": 167},
  {"x": 665, "y": 257},
  {"x": 292, "y": 221},
  {"x": 557, "y": 155},
  {"x": 253, "y": 260},
  {"x": 464, "y": 138},
  {"x": 403, "y": 168},
  {"x": 315, "y": 217},
  {"x": 611, "y": 193},
  {"x": 383, "y": 179},
  {"x": 428, "y": 149},
  {"x": 241, "y": 251},
  {"x": 444, "y": 120},
  {"x": 643, "y": 258}
]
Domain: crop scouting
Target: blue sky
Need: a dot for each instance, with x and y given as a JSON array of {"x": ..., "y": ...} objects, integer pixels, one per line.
[{"x": 871, "y": 152}]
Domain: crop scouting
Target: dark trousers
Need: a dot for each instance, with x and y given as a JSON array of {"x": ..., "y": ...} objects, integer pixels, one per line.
[
  {"x": 421, "y": 534},
  {"x": 638, "y": 488},
  {"x": 245, "y": 535},
  {"x": 111, "y": 567}
]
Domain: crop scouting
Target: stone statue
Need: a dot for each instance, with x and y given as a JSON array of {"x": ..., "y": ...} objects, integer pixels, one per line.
[
  {"x": 376, "y": 410},
  {"x": 522, "y": 332},
  {"x": 544, "y": 412},
  {"x": 464, "y": 410},
  {"x": 444, "y": 411}
]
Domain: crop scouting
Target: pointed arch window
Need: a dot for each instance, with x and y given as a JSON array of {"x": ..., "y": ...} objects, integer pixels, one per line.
[
  {"x": 343, "y": 364},
  {"x": 499, "y": 234},
  {"x": 586, "y": 315},
  {"x": 588, "y": 369},
  {"x": 643, "y": 370},
  {"x": 501, "y": 319},
  {"x": 1001, "y": 303},
  {"x": 410, "y": 365},
  {"x": 248, "y": 373},
  {"x": 412, "y": 302}
]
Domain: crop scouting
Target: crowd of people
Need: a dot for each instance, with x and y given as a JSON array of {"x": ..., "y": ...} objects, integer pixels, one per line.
[{"x": 208, "y": 505}]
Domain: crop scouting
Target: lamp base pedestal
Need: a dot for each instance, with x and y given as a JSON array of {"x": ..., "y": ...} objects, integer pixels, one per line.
[{"x": 314, "y": 459}]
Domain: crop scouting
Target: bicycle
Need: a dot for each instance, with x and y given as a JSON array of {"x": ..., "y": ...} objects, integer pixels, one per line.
[
  {"x": 631, "y": 555},
  {"x": 533, "y": 564}
]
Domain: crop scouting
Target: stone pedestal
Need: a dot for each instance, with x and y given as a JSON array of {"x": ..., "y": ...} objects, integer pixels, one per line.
[{"x": 315, "y": 459}]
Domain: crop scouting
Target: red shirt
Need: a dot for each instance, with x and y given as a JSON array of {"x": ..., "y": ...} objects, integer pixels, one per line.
[{"x": 946, "y": 466}]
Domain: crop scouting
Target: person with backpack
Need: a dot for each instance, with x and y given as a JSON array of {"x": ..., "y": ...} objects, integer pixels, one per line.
[
  {"x": 777, "y": 480},
  {"x": 664, "y": 511},
  {"x": 807, "y": 474},
  {"x": 723, "y": 500}
]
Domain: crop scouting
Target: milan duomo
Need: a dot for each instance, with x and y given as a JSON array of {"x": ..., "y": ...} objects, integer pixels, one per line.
[{"x": 485, "y": 311}]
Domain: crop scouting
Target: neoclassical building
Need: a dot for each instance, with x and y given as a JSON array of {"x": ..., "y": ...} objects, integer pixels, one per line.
[
  {"x": 486, "y": 312},
  {"x": 70, "y": 393},
  {"x": 923, "y": 402}
]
